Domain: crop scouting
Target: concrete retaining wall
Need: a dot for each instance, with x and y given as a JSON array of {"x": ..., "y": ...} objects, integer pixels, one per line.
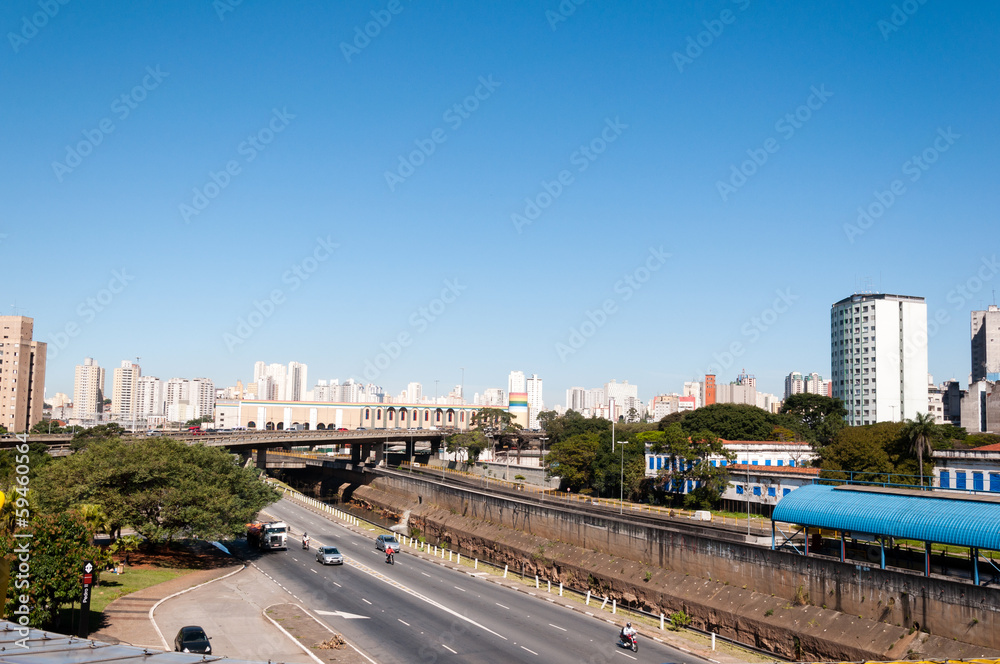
[{"x": 939, "y": 606}]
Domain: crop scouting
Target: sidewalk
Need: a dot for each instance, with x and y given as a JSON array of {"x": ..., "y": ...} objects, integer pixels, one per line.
[{"x": 230, "y": 604}]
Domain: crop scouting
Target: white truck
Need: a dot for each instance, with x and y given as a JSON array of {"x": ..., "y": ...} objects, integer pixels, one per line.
[{"x": 268, "y": 536}]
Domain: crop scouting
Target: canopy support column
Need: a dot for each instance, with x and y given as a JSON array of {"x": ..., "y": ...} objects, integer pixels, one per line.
[
  {"x": 805, "y": 529},
  {"x": 881, "y": 546},
  {"x": 843, "y": 546},
  {"x": 927, "y": 558},
  {"x": 974, "y": 551}
]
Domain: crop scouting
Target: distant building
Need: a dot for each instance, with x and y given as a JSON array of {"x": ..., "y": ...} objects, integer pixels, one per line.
[
  {"x": 88, "y": 393},
  {"x": 149, "y": 397},
  {"x": 797, "y": 383},
  {"x": 22, "y": 374},
  {"x": 576, "y": 399},
  {"x": 879, "y": 376},
  {"x": 709, "y": 396},
  {"x": 124, "y": 382},
  {"x": 986, "y": 345},
  {"x": 533, "y": 388}
]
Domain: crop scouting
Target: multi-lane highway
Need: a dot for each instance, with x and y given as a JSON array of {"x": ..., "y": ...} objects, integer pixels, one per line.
[{"x": 418, "y": 610}]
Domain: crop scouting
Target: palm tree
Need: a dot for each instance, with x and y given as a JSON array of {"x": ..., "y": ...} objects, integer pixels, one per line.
[{"x": 919, "y": 431}]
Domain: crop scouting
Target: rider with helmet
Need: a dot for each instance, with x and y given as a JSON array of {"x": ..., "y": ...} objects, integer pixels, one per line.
[
  {"x": 628, "y": 633},
  {"x": 305, "y": 540}
]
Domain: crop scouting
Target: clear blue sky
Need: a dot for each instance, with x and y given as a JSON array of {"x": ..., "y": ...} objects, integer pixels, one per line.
[{"x": 153, "y": 98}]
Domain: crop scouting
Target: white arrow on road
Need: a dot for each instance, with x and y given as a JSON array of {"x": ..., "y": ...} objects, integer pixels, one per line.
[{"x": 342, "y": 614}]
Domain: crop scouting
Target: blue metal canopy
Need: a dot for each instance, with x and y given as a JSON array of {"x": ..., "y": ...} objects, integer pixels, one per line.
[{"x": 960, "y": 519}]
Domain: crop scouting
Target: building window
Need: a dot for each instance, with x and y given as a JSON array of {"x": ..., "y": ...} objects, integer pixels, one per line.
[
  {"x": 756, "y": 491},
  {"x": 739, "y": 489},
  {"x": 771, "y": 492},
  {"x": 960, "y": 479}
]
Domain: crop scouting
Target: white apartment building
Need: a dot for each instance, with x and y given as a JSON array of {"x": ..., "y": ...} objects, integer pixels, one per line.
[
  {"x": 515, "y": 382},
  {"x": 576, "y": 399},
  {"x": 813, "y": 383},
  {"x": 878, "y": 355},
  {"x": 621, "y": 392},
  {"x": 88, "y": 392},
  {"x": 533, "y": 386},
  {"x": 297, "y": 385},
  {"x": 149, "y": 397},
  {"x": 414, "y": 392},
  {"x": 494, "y": 397},
  {"x": 693, "y": 389},
  {"x": 124, "y": 381},
  {"x": 596, "y": 398}
]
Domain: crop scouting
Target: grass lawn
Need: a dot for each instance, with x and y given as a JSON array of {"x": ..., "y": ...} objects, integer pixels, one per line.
[{"x": 114, "y": 586}]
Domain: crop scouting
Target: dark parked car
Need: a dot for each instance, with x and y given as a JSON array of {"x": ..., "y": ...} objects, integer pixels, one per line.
[{"x": 192, "y": 639}]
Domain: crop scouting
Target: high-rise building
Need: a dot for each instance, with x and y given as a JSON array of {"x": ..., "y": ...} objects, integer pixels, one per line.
[
  {"x": 986, "y": 345},
  {"x": 595, "y": 398},
  {"x": 576, "y": 399},
  {"x": 22, "y": 374},
  {"x": 124, "y": 381},
  {"x": 414, "y": 391},
  {"x": 620, "y": 392},
  {"x": 494, "y": 397},
  {"x": 709, "y": 397},
  {"x": 515, "y": 382},
  {"x": 693, "y": 389},
  {"x": 149, "y": 396},
  {"x": 297, "y": 385},
  {"x": 878, "y": 355},
  {"x": 533, "y": 386},
  {"x": 796, "y": 383},
  {"x": 88, "y": 392}
]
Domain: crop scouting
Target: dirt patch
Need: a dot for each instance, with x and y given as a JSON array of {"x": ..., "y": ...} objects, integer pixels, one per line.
[
  {"x": 321, "y": 642},
  {"x": 195, "y": 554}
]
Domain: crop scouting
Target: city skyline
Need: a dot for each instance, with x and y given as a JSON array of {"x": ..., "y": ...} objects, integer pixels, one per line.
[{"x": 657, "y": 193}]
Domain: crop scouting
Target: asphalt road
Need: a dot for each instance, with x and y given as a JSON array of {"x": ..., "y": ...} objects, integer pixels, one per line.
[{"x": 420, "y": 611}]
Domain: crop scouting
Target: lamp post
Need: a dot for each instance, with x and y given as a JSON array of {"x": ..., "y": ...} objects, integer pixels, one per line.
[{"x": 748, "y": 498}]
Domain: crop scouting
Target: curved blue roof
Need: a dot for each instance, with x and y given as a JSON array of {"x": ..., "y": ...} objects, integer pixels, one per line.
[{"x": 924, "y": 516}]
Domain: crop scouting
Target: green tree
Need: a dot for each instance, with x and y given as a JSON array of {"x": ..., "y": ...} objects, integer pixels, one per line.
[
  {"x": 470, "y": 443},
  {"x": 59, "y": 545},
  {"x": 545, "y": 417},
  {"x": 920, "y": 431},
  {"x": 819, "y": 417},
  {"x": 160, "y": 487},
  {"x": 867, "y": 450},
  {"x": 731, "y": 421},
  {"x": 691, "y": 462},
  {"x": 45, "y": 426},
  {"x": 981, "y": 439},
  {"x": 85, "y": 437},
  {"x": 572, "y": 459}
]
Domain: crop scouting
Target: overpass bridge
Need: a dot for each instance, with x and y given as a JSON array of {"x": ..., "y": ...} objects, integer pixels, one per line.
[{"x": 366, "y": 445}]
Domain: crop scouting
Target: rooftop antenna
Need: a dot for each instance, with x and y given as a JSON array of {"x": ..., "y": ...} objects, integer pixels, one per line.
[{"x": 16, "y": 309}]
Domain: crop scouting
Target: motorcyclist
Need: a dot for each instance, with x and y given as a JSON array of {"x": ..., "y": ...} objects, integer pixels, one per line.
[
  {"x": 628, "y": 633},
  {"x": 305, "y": 540},
  {"x": 388, "y": 554}
]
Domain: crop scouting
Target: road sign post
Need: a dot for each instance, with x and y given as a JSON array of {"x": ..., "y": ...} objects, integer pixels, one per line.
[{"x": 88, "y": 582}]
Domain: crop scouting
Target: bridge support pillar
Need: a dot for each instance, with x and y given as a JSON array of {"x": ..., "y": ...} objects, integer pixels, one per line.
[
  {"x": 356, "y": 451},
  {"x": 261, "y": 457}
]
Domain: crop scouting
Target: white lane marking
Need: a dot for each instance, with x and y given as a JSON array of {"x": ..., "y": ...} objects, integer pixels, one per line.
[
  {"x": 337, "y": 584},
  {"x": 462, "y": 589},
  {"x": 529, "y": 650},
  {"x": 314, "y": 571},
  {"x": 425, "y": 573},
  {"x": 404, "y": 622},
  {"x": 557, "y": 627},
  {"x": 454, "y": 652},
  {"x": 629, "y": 656},
  {"x": 342, "y": 614},
  {"x": 365, "y": 601},
  {"x": 502, "y": 606}
]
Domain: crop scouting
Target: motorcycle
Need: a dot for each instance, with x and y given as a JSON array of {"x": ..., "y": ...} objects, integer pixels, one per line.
[
  {"x": 389, "y": 557},
  {"x": 630, "y": 642},
  {"x": 305, "y": 544}
]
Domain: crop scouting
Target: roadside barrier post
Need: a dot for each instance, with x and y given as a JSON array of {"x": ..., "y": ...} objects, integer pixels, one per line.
[
  {"x": 614, "y": 607},
  {"x": 505, "y": 571},
  {"x": 560, "y": 589},
  {"x": 713, "y": 640},
  {"x": 536, "y": 581},
  {"x": 604, "y": 603},
  {"x": 550, "y": 586},
  {"x": 588, "y": 599},
  {"x": 661, "y": 622}
]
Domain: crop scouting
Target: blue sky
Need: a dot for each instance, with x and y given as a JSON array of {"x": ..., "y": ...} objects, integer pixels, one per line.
[{"x": 497, "y": 243}]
